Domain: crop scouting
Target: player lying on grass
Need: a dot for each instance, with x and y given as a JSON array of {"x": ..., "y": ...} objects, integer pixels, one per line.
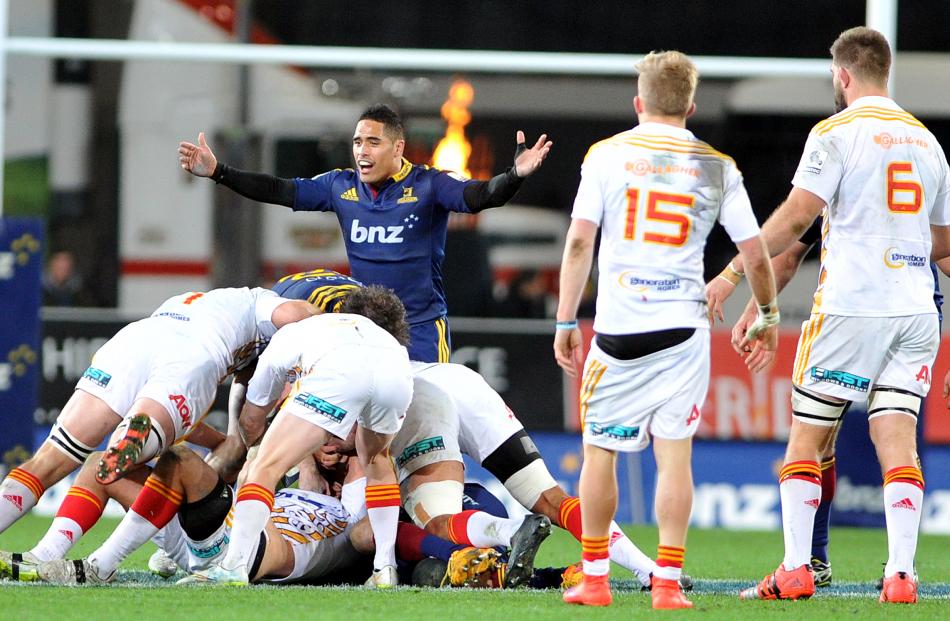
[
  {"x": 151, "y": 383},
  {"x": 454, "y": 411},
  {"x": 185, "y": 506}
]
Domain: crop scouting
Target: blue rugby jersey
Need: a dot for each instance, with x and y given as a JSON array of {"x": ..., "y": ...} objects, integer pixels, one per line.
[
  {"x": 325, "y": 289},
  {"x": 394, "y": 237}
]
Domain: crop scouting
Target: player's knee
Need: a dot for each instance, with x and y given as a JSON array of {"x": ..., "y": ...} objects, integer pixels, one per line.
[
  {"x": 68, "y": 445},
  {"x": 518, "y": 465},
  {"x": 814, "y": 410},
  {"x": 886, "y": 400},
  {"x": 433, "y": 503}
]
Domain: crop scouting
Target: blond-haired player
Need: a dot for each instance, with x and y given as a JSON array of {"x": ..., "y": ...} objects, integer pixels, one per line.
[
  {"x": 882, "y": 183},
  {"x": 655, "y": 191}
]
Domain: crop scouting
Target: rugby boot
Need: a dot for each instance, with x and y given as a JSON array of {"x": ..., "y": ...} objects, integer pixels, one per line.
[
  {"x": 122, "y": 456},
  {"x": 162, "y": 565},
  {"x": 385, "y": 578},
  {"x": 667, "y": 595},
  {"x": 471, "y": 567},
  {"x": 524, "y": 546},
  {"x": 572, "y": 575},
  {"x": 900, "y": 588},
  {"x": 821, "y": 570},
  {"x": 879, "y": 585},
  {"x": 18, "y": 567},
  {"x": 783, "y": 584},
  {"x": 592, "y": 591},
  {"x": 685, "y": 581},
  {"x": 217, "y": 575},
  {"x": 72, "y": 572}
]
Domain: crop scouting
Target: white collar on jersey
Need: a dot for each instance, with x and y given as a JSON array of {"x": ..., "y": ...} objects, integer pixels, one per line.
[
  {"x": 874, "y": 100},
  {"x": 663, "y": 129}
]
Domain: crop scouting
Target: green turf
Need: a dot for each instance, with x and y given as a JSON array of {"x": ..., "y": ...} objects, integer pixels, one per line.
[{"x": 721, "y": 562}]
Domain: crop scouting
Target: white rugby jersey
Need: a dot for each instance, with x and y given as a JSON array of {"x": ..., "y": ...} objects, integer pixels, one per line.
[
  {"x": 303, "y": 516},
  {"x": 233, "y": 325},
  {"x": 656, "y": 191},
  {"x": 297, "y": 347},
  {"x": 884, "y": 180}
]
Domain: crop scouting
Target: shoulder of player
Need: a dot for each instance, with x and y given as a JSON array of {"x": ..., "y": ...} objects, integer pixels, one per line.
[
  {"x": 424, "y": 171},
  {"x": 837, "y": 122},
  {"x": 657, "y": 142},
  {"x": 346, "y": 174}
]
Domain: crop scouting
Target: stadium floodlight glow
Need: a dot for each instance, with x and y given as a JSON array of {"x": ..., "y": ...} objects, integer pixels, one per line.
[{"x": 395, "y": 59}]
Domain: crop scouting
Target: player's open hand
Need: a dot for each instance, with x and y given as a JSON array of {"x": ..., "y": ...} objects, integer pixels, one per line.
[
  {"x": 529, "y": 160},
  {"x": 567, "y": 350},
  {"x": 759, "y": 353},
  {"x": 197, "y": 158},
  {"x": 718, "y": 291}
]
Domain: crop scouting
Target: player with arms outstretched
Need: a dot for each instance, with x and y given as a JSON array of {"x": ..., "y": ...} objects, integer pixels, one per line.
[
  {"x": 655, "y": 191},
  {"x": 393, "y": 213},
  {"x": 881, "y": 181}
]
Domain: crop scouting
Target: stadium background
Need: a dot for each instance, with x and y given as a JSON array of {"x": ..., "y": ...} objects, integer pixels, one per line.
[{"x": 89, "y": 151}]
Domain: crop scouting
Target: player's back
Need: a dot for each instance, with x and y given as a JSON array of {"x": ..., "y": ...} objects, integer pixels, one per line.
[
  {"x": 313, "y": 338},
  {"x": 657, "y": 190},
  {"x": 881, "y": 173},
  {"x": 303, "y": 516},
  {"x": 325, "y": 289},
  {"x": 233, "y": 325}
]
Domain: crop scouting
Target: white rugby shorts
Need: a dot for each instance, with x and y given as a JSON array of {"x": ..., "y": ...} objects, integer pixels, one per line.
[
  {"x": 430, "y": 432},
  {"x": 371, "y": 386},
  {"x": 144, "y": 361},
  {"x": 846, "y": 357},
  {"x": 624, "y": 402}
]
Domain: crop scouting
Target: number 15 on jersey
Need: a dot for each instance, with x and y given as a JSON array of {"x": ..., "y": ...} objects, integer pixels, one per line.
[{"x": 661, "y": 224}]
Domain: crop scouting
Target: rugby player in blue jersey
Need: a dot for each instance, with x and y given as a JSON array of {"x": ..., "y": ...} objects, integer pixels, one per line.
[{"x": 393, "y": 213}]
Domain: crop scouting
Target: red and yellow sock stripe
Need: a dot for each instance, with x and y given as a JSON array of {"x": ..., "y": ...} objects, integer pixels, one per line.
[
  {"x": 28, "y": 480},
  {"x": 82, "y": 494},
  {"x": 905, "y": 474},
  {"x": 595, "y": 548},
  {"x": 163, "y": 490},
  {"x": 382, "y": 496},
  {"x": 458, "y": 527},
  {"x": 802, "y": 470},
  {"x": 253, "y": 491},
  {"x": 670, "y": 556},
  {"x": 566, "y": 510},
  {"x": 828, "y": 463}
]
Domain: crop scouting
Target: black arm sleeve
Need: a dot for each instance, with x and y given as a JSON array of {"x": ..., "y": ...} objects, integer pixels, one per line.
[
  {"x": 256, "y": 186},
  {"x": 495, "y": 192}
]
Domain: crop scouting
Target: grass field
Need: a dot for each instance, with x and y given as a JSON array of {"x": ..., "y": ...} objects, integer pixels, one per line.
[{"x": 720, "y": 561}]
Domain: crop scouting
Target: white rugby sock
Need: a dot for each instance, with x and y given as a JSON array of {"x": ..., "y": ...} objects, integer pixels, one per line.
[
  {"x": 626, "y": 554},
  {"x": 251, "y": 512},
  {"x": 131, "y": 533},
  {"x": 800, "y": 489},
  {"x": 487, "y": 531},
  {"x": 385, "y": 522},
  {"x": 903, "y": 504},
  {"x": 18, "y": 494},
  {"x": 62, "y": 535}
]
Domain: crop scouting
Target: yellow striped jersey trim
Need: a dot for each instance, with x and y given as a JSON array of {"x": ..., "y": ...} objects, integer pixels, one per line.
[
  {"x": 443, "y": 342},
  {"x": 661, "y": 143},
  {"x": 810, "y": 332},
  {"x": 887, "y": 114},
  {"x": 595, "y": 372}
]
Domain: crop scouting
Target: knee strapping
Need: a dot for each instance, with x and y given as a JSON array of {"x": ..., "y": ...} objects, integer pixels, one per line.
[
  {"x": 887, "y": 400},
  {"x": 527, "y": 485},
  {"x": 430, "y": 500},
  {"x": 68, "y": 444},
  {"x": 813, "y": 410}
]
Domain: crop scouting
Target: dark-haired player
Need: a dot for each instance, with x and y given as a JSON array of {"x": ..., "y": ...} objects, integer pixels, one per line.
[{"x": 393, "y": 213}]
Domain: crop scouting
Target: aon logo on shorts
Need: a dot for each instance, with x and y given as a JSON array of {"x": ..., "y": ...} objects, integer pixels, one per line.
[{"x": 375, "y": 234}]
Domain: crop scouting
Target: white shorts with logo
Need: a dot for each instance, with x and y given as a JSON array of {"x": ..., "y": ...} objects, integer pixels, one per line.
[
  {"x": 430, "y": 432},
  {"x": 143, "y": 361},
  {"x": 366, "y": 385},
  {"x": 846, "y": 357},
  {"x": 623, "y": 402},
  {"x": 484, "y": 420}
]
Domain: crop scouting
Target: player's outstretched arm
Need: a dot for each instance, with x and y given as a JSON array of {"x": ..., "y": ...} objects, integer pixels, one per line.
[
  {"x": 197, "y": 158},
  {"x": 527, "y": 161},
  {"x": 762, "y": 337},
  {"x": 575, "y": 269}
]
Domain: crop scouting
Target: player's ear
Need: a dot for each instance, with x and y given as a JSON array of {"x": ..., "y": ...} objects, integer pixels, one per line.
[
  {"x": 637, "y": 104},
  {"x": 400, "y": 146},
  {"x": 692, "y": 109},
  {"x": 844, "y": 76}
]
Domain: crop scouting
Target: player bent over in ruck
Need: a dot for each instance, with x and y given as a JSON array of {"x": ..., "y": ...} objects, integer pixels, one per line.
[{"x": 347, "y": 371}]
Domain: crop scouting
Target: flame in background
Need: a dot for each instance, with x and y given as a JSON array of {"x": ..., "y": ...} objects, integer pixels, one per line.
[{"x": 454, "y": 149}]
